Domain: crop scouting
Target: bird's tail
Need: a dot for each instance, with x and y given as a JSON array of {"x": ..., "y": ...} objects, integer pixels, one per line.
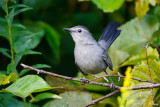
[{"x": 110, "y": 33}]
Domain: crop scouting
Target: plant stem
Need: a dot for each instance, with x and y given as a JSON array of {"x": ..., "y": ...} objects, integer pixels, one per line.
[
  {"x": 10, "y": 37},
  {"x": 25, "y": 103}
]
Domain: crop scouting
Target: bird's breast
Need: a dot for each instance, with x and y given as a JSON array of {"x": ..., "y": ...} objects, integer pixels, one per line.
[{"x": 89, "y": 59}]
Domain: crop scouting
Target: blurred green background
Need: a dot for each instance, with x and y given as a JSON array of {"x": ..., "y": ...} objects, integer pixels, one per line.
[{"x": 60, "y": 14}]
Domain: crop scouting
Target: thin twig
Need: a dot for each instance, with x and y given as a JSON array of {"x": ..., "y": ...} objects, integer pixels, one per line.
[
  {"x": 102, "y": 98},
  {"x": 91, "y": 82},
  {"x": 149, "y": 73},
  {"x": 121, "y": 76},
  {"x": 156, "y": 47},
  {"x": 65, "y": 77}
]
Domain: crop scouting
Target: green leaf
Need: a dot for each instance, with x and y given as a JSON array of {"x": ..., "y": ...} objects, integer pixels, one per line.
[
  {"x": 21, "y": 10},
  {"x": 77, "y": 98},
  {"x": 140, "y": 71},
  {"x": 141, "y": 97},
  {"x": 43, "y": 96},
  {"x": 151, "y": 53},
  {"x": 3, "y": 27},
  {"x": 14, "y": 1},
  {"x": 135, "y": 35},
  {"x": 28, "y": 42},
  {"x": 26, "y": 52},
  {"x": 2, "y": 4},
  {"x": 5, "y": 51},
  {"x": 59, "y": 82},
  {"x": 27, "y": 85},
  {"x": 17, "y": 29},
  {"x": 157, "y": 12},
  {"x": 18, "y": 25},
  {"x": 48, "y": 104},
  {"x": 53, "y": 39},
  {"x": 19, "y": 5},
  {"x": 17, "y": 59},
  {"x": 14, "y": 77},
  {"x": 107, "y": 5},
  {"x": 35, "y": 66},
  {"x": 111, "y": 100},
  {"x": 8, "y": 100},
  {"x": 3, "y": 72},
  {"x": 11, "y": 16},
  {"x": 10, "y": 68}
]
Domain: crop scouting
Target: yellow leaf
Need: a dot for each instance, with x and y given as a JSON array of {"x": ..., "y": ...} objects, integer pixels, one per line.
[
  {"x": 6, "y": 80},
  {"x": 12, "y": 77},
  {"x": 142, "y": 7}
]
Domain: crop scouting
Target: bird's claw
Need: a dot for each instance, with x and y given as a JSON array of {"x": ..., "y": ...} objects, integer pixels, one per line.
[
  {"x": 112, "y": 86},
  {"x": 84, "y": 81}
]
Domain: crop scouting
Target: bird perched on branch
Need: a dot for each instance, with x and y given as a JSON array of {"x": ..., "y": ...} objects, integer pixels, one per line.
[{"x": 91, "y": 57}]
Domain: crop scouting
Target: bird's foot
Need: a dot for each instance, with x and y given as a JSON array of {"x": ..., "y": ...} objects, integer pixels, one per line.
[
  {"x": 112, "y": 86},
  {"x": 84, "y": 81}
]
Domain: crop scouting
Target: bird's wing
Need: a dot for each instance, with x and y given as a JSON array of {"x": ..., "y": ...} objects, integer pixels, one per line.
[
  {"x": 108, "y": 61},
  {"x": 85, "y": 74},
  {"x": 110, "y": 33}
]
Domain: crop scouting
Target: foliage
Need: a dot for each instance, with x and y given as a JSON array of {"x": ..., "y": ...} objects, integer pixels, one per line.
[
  {"x": 12, "y": 77},
  {"x": 31, "y": 33},
  {"x": 77, "y": 98},
  {"x": 125, "y": 93},
  {"x": 107, "y": 5},
  {"x": 27, "y": 85},
  {"x": 131, "y": 32},
  {"x": 43, "y": 96}
]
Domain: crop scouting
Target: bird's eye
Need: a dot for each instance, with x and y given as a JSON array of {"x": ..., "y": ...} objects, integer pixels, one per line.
[{"x": 79, "y": 30}]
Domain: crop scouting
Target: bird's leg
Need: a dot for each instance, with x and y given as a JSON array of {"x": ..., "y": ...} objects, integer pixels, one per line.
[
  {"x": 84, "y": 80},
  {"x": 98, "y": 77},
  {"x": 112, "y": 86}
]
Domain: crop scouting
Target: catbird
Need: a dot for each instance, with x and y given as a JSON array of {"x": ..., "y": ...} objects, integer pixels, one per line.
[{"x": 91, "y": 57}]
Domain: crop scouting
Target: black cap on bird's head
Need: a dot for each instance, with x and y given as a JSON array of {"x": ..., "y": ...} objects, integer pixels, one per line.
[{"x": 79, "y": 33}]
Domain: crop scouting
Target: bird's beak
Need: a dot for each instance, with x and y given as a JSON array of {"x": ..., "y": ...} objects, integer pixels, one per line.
[{"x": 67, "y": 29}]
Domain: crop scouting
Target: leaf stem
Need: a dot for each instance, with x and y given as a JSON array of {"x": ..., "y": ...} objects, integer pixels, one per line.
[
  {"x": 32, "y": 98},
  {"x": 10, "y": 36}
]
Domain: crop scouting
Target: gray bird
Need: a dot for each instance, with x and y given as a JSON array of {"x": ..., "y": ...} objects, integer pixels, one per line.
[{"x": 91, "y": 57}]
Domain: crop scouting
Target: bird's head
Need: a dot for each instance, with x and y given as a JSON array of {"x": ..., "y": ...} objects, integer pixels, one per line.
[{"x": 80, "y": 34}]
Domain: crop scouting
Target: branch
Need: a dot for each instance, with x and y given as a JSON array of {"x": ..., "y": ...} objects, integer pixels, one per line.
[
  {"x": 156, "y": 46},
  {"x": 65, "y": 77},
  {"x": 121, "y": 76},
  {"x": 102, "y": 98},
  {"x": 90, "y": 81},
  {"x": 145, "y": 47}
]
